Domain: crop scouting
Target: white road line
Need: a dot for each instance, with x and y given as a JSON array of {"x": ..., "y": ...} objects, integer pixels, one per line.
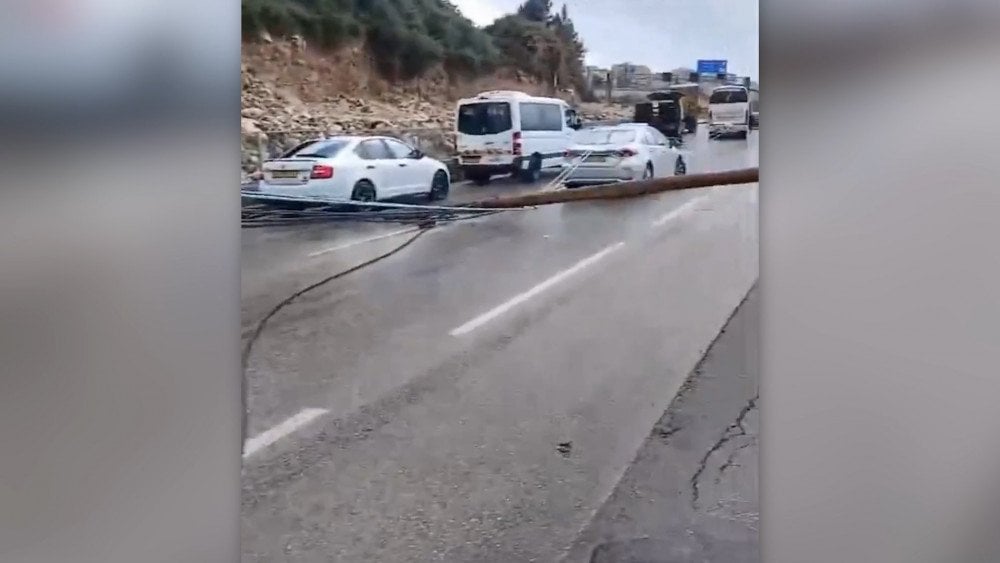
[
  {"x": 272, "y": 435},
  {"x": 521, "y": 298},
  {"x": 679, "y": 211},
  {"x": 347, "y": 245}
]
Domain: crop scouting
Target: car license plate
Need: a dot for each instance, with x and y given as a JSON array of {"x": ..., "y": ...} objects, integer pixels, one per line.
[
  {"x": 282, "y": 174},
  {"x": 595, "y": 159},
  {"x": 472, "y": 159}
]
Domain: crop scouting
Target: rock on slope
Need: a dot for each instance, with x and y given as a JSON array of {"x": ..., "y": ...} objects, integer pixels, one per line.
[{"x": 290, "y": 93}]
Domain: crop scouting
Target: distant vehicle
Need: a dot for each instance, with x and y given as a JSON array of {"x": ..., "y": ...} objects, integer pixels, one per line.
[
  {"x": 729, "y": 112},
  {"x": 620, "y": 153},
  {"x": 358, "y": 168},
  {"x": 665, "y": 112},
  {"x": 509, "y": 132}
]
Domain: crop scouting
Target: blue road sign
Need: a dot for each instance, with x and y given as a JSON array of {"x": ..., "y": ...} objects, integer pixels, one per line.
[{"x": 713, "y": 66}]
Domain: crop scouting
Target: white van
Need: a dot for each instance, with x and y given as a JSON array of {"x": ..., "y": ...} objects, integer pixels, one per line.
[
  {"x": 508, "y": 132},
  {"x": 729, "y": 112}
]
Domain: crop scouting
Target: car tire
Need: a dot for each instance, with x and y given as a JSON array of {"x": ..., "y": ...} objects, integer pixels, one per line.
[
  {"x": 680, "y": 167},
  {"x": 439, "y": 186},
  {"x": 534, "y": 170},
  {"x": 364, "y": 191}
]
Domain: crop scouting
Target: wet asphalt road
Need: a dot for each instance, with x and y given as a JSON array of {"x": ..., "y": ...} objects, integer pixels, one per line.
[
  {"x": 691, "y": 493},
  {"x": 420, "y": 408}
]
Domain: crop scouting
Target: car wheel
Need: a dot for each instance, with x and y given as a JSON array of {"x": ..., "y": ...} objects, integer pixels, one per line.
[
  {"x": 648, "y": 172},
  {"x": 534, "y": 170},
  {"x": 439, "y": 186},
  {"x": 680, "y": 168},
  {"x": 364, "y": 191}
]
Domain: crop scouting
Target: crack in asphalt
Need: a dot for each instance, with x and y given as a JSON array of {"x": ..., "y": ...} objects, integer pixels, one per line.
[
  {"x": 665, "y": 433},
  {"x": 734, "y": 430},
  {"x": 731, "y": 460}
]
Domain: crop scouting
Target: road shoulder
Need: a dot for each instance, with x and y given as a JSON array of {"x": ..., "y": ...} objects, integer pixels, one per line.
[{"x": 691, "y": 493}]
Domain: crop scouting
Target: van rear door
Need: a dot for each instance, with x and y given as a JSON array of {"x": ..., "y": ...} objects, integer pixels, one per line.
[
  {"x": 484, "y": 132},
  {"x": 729, "y": 105},
  {"x": 545, "y": 131}
]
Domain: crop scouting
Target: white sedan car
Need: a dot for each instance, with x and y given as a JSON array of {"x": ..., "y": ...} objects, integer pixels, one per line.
[
  {"x": 355, "y": 168},
  {"x": 621, "y": 153}
]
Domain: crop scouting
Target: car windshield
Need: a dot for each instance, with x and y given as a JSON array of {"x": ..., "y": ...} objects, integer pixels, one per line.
[
  {"x": 728, "y": 97},
  {"x": 484, "y": 118},
  {"x": 606, "y": 137},
  {"x": 323, "y": 149}
]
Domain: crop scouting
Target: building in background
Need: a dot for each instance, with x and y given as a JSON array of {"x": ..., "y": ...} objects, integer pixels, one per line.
[
  {"x": 628, "y": 75},
  {"x": 595, "y": 76}
]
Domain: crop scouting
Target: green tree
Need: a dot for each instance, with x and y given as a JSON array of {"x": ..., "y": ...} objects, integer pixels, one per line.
[{"x": 408, "y": 37}]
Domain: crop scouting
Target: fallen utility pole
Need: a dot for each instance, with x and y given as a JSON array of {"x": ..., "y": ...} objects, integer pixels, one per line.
[{"x": 624, "y": 189}]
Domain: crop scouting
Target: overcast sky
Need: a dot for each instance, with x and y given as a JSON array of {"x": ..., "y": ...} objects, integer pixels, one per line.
[{"x": 661, "y": 34}]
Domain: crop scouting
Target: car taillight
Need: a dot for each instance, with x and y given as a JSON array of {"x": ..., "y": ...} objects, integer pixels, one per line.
[
  {"x": 517, "y": 143},
  {"x": 625, "y": 153},
  {"x": 571, "y": 154},
  {"x": 321, "y": 172}
]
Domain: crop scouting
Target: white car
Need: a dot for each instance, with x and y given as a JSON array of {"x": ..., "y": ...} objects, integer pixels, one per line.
[
  {"x": 357, "y": 169},
  {"x": 621, "y": 153}
]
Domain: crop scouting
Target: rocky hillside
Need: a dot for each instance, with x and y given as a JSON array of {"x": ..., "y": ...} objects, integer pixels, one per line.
[
  {"x": 292, "y": 90},
  {"x": 318, "y": 67}
]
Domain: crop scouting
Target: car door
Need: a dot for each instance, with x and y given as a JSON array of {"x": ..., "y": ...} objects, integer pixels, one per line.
[
  {"x": 411, "y": 173},
  {"x": 651, "y": 140},
  {"x": 378, "y": 166},
  {"x": 670, "y": 154}
]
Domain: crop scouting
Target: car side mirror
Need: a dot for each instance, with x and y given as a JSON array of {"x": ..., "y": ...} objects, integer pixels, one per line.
[{"x": 417, "y": 154}]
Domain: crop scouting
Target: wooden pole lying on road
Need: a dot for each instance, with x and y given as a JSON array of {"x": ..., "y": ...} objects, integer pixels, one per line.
[{"x": 624, "y": 189}]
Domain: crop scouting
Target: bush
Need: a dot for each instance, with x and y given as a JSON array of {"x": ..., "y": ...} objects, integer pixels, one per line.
[
  {"x": 407, "y": 37},
  {"x": 419, "y": 53},
  {"x": 334, "y": 29}
]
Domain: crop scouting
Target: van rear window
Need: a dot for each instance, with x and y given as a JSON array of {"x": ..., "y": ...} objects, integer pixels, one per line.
[
  {"x": 484, "y": 118},
  {"x": 728, "y": 97}
]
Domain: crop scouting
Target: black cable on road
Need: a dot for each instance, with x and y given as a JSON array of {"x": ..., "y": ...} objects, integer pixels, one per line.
[{"x": 286, "y": 301}]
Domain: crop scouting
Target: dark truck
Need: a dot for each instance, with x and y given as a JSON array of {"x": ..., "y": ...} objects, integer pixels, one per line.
[{"x": 665, "y": 113}]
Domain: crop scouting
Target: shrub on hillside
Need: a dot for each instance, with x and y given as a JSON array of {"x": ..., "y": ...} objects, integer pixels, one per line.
[{"x": 408, "y": 37}]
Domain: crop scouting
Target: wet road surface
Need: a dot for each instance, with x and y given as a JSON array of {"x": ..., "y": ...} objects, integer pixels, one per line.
[
  {"x": 691, "y": 493},
  {"x": 479, "y": 395}
]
